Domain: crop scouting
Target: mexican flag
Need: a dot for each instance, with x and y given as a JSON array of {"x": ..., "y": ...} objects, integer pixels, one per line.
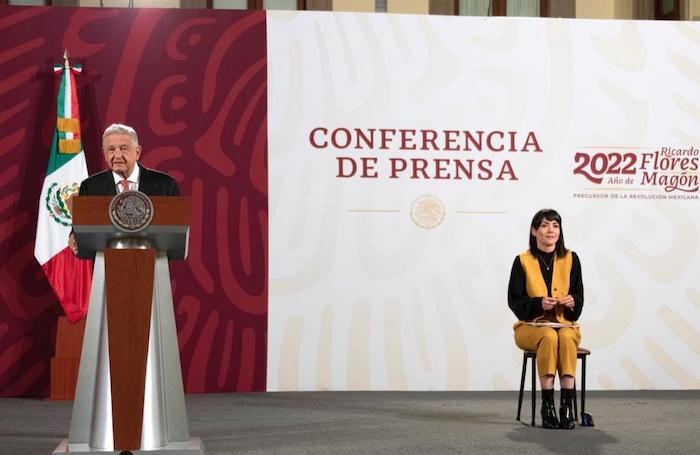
[{"x": 69, "y": 276}]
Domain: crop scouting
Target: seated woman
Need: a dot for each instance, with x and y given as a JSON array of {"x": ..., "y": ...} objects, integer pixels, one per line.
[{"x": 546, "y": 294}]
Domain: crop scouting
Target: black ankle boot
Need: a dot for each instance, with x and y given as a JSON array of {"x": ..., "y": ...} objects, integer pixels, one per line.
[
  {"x": 566, "y": 414},
  {"x": 548, "y": 411}
]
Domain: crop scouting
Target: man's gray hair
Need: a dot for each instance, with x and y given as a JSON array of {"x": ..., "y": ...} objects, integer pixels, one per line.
[{"x": 118, "y": 128}]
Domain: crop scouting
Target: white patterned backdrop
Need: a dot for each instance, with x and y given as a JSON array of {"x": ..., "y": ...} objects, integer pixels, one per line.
[{"x": 363, "y": 296}]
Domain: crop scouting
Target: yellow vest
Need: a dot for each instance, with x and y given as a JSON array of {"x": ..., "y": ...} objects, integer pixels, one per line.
[{"x": 536, "y": 287}]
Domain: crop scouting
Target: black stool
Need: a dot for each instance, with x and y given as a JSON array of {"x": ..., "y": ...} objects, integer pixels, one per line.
[{"x": 581, "y": 353}]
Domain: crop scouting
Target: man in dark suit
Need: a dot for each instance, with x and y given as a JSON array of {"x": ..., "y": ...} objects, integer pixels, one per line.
[{"x": 121, "y": 150}]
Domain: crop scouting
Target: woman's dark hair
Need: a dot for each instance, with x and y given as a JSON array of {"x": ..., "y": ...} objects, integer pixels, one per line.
[{"x": 549, "y": 215}]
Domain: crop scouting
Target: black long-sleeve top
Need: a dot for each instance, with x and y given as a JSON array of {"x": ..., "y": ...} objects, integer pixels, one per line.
[{"x": 527, "y": 308}]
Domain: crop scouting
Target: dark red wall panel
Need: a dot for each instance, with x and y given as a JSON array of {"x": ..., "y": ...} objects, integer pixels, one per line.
[{"x": 193, "y": 84}]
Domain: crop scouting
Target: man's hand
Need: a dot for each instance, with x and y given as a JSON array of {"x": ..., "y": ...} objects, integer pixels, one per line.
[
  {"x": 567, "y": 301},
  {"x": 71, "y": 243},
  {"x": 548, "y": 303}
]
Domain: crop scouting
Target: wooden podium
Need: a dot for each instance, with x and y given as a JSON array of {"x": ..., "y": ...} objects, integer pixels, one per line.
[{"x": 129, "y": 397}]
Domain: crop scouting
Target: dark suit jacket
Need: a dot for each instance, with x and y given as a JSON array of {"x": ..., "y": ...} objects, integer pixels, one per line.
[{"x": 151, "y": 183}]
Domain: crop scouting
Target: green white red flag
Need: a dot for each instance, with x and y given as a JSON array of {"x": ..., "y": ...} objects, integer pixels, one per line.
[{"x": 69, "y": 276}]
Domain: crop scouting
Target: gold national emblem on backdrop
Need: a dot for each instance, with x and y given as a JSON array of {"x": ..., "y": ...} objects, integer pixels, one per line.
[
  {"x": 131, "y": 211},
  {"x": 427, "y": 211}
]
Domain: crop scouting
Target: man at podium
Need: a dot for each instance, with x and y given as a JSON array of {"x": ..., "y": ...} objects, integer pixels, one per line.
[
  {"x": 121, "y": 150},
  {"x": 129, "y": 395}
]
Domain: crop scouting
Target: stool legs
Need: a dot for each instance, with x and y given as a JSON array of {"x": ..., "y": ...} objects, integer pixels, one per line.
[
  {"x": 533, "y": 374},
  {"x": 522, "y": 386},
  {"x": 586, "y": 420},
  {"x": 583, "y": 385},
  {"x": 534, "y": 390}
]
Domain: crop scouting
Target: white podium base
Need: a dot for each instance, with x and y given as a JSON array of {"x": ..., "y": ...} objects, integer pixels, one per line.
[
  {"x": 194, "y": 447},
  {"x": 164, "y": 429}
]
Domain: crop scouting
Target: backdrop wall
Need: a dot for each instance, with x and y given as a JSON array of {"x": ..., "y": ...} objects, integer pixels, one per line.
[
  {"x": 193, "y": 84},
  {"x": 408, "y": 155}
]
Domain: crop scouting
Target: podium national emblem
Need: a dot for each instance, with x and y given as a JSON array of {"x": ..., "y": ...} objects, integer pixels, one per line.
[{"x": 131, "y": 211}]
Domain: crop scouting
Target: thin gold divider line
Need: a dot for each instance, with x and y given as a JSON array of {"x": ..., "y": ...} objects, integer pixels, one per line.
[
  {"x": 374, "y": 210},
  {"x": 480, "y": 212},
  {"x": 616, "y": 189}
]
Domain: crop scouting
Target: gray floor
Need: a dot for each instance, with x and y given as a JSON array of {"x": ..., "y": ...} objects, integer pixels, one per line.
[{"x": 660, "y": 422}]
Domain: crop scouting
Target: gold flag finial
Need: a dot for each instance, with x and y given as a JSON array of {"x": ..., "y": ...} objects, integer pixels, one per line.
[{"x": 66, "y": 55}]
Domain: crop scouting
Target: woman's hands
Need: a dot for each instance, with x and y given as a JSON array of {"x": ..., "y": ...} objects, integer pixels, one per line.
[
  {"x": 567, "y": 301},
  {"x": 550, "y": 302}
]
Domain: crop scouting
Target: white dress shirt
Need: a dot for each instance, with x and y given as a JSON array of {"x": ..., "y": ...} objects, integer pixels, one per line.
[{"x": 133, "y": 180}]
